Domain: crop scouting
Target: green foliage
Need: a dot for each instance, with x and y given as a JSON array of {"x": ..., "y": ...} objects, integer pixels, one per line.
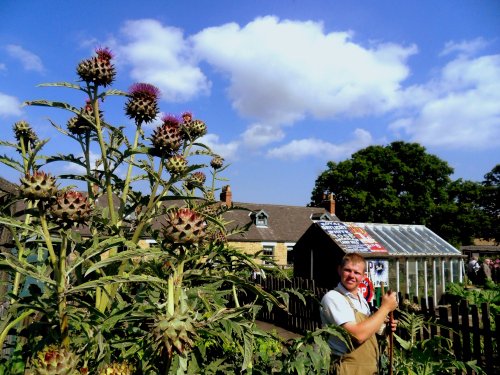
[
  {"x": 424, "y": 356},
  {"x": 85, "y": 282},
  {"x": 491, "y": 203},
  {"x": 490, "y": 294},
  {"x": 398, "y": 183},
  {"x": 402, "y": 184}
]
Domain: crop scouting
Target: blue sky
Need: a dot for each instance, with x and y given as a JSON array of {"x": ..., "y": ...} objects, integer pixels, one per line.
[{"x": 284, "y": 86}]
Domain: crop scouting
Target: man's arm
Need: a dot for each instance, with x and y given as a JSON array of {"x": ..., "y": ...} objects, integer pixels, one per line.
[{"x": 364, "y": 330}]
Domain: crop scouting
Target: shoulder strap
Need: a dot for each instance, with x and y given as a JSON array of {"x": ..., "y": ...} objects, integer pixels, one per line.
[{"x": 338, "y": 290}]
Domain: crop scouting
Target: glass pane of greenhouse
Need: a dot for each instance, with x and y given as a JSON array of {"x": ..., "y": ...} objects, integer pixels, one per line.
[
  {"x": 409, "y": 239},
  {"x": 412, "y": 277}
]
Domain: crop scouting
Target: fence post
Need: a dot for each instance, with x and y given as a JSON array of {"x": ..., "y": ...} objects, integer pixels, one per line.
[
  {"x": 444, "y": 322},
  {"x": 476, "y": 335},
  {"x": 465, "y": 330},
  {"x": 457, "y": 345},
  {"x": 489, "y": 359}
]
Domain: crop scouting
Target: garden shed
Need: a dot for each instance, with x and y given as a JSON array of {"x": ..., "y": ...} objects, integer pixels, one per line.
[{"x": 410, "y": 259}]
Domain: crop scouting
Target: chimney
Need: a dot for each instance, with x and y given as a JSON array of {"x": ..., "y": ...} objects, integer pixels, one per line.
[
  {"x": 329, "y": 203},
  {"x": 226, "y": 196}
]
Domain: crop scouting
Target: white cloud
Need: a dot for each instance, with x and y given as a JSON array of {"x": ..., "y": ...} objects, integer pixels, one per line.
[
  {"x": 460, "y": 108},
  {"x": 159, "y": 55},
  {"x": 282, "y": 71},
  {"x": 3, "y": 67},
  {"x": 298, "y": 149},
  {"x": 9, "y": 106},
  {"x": 259, "y": 134},
  {"x": 465, "y": 47},
  {"x": 228, "y": 151},
  {"x": 28, "y": 59}
]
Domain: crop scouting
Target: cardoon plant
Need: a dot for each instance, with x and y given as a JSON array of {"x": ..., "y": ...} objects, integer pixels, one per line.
[{"x": 86, "y": 295}]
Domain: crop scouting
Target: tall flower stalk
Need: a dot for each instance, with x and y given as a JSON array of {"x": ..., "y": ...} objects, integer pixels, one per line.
[{"x": 78, "y": 259}]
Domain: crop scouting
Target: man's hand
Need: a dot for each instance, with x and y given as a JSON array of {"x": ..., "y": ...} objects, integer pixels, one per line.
[
  {"x": 391, "y": 325},
  {"x": 389, "y": 301}
]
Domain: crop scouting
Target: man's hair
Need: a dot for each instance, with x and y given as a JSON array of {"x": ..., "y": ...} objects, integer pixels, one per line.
[{"x": 353, "y": 258}]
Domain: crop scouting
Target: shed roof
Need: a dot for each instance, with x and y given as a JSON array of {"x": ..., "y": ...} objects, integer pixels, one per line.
[{"x": 387, "y": 239}]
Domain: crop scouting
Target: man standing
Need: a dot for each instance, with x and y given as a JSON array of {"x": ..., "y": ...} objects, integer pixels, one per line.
[{"x": 345, "y": 306}]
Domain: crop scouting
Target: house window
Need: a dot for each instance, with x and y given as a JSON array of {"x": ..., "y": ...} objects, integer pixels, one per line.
[
  {"x": 268, "y": 253},
  {"x": 261, "y": 219},
  {"x": 289, "y": 253}
]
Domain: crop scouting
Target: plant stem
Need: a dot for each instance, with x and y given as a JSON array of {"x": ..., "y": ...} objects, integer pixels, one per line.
[
  {"x": 61, "y": 288},
  {"x": 130, "y": 166},
  {"x": 50, "y": 246},
  {"x": 170, "y": 296},
  {"x": 20, "y": 254},
  {"x": 151, "y": 203},
  {"x": 9, "y": 326},
  {"x": 104, "y": 157}
]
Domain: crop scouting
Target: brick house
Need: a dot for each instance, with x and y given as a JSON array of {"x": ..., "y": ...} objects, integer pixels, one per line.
[{"x": 275, "y": 228}]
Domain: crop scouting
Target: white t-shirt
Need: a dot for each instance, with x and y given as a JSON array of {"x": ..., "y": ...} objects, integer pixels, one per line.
[{"x": 336, "y": 310}]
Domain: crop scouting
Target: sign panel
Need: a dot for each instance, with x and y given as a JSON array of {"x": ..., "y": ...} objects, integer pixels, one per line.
[
  {"x": 344, "y": 237},
  {"x": 366, "y": 288},
  {"x": 378, "y": 271},
  {"x": 351, "y": 238},
  {"x": 364, "y": 237}
]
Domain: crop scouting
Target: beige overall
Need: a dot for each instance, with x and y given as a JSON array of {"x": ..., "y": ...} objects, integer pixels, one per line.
[{"x": 363, "y": 359}]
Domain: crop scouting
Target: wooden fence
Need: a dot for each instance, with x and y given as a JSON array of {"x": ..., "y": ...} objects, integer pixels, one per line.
[{"x": 474, "y": 335}]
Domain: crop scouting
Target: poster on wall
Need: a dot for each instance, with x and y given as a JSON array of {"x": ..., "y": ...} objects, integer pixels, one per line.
[
  {"x": 366, "y": 289},
  {"x": 351, "y": 238},
  {"x": 378, "y": 272},
  {"x": 364, "y": 237},
  {"x": 344, "y": 237}
]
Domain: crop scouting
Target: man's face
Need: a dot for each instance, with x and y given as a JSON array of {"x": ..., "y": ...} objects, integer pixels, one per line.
[{"x": 351, "y": 275}]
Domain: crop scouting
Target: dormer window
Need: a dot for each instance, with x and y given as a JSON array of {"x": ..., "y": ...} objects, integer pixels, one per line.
[{"x": 261, "y": 219}]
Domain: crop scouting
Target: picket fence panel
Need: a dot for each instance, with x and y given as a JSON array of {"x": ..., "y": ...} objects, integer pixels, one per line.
[{"x": 469, "y": 327}]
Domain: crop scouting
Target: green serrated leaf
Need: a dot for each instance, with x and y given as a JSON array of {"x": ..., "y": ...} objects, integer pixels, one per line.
[
  {"x": 48, "y": 103},
  {"x": 12, "y": 163},
  {"x": 109, "y": 280},
  {"x": 122, "y": 256},
  {"x": 62, "y": 84}
]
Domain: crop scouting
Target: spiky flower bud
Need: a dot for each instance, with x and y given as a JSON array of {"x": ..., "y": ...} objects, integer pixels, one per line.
[
  {"x": 142, "y": 105},
  {"x": 79, "y": 124},
  {"x": 167, "y": 138},
  {"x": 187, "y": 117},
  {"x": 54, "y": 360},
  {"x": 217, "y": 162},
  {"x": 70, "y": 207},
  {"x": 39, "y": 186},
  {"x": 25, "y": 134},
  {"x": 117, "y": 368},
  {"x": 218, "y": 237},
  {"x": 98, "y": 70},
  {"x": 184, "y": 226},
  {"x": 192, "y": 129},
  {"x": 176, "y": 164},
  {"x": 176, "y": 333},
  {"x": 197, "y": 179}
]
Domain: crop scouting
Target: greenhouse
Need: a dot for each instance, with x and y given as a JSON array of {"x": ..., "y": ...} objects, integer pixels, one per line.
[{"x": 410, "y": 259}]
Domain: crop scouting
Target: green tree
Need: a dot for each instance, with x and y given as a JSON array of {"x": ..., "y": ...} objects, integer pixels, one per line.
[
  {"x": 462, "y": 218},
  {"x": 491, "y": 204},
  {"x": 398, "y": 183}
]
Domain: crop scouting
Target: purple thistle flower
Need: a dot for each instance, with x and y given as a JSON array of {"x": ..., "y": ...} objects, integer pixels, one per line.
[
  {"x": 104, "y": 54},
  {"x": 145, "y": 89}
]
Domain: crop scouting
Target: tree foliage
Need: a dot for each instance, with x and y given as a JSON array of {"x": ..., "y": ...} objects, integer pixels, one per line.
[
  {"x": 403, "y": 184},
  {"x": 491, "y": 204}
]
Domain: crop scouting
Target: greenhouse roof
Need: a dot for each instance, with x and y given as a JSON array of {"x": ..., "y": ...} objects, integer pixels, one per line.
[{"x": 387, "y": 239}]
